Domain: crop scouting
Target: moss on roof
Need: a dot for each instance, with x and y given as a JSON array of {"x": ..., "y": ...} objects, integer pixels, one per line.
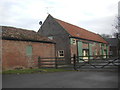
[{"x": 22, "y": 34}]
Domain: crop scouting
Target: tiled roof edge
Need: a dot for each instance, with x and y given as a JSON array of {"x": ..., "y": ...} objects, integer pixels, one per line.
[{"x": 5, "y": 38}]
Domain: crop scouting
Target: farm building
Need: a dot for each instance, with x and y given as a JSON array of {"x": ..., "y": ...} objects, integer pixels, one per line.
[
  {"x": 21, "y": 48},
  {"x": 71, "y": 39}
]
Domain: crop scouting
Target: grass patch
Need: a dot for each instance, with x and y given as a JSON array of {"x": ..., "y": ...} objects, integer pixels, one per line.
[{"x": 27, "y": 71}]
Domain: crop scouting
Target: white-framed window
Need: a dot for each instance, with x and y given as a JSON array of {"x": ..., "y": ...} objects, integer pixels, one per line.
[
  {"x": 74, "y": 41},
  {"x": 61, "y": 53},
  {"x": 50, "y": 37}
]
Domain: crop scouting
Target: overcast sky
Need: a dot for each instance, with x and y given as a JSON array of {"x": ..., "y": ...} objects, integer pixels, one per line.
[{"x": 94, "y": 15}]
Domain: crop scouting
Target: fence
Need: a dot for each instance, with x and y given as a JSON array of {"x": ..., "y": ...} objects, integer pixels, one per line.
[
  {"x": 53, "y": 62},
  {"x": 77, "y": 62},
  {"x": 98, "y": 62}
]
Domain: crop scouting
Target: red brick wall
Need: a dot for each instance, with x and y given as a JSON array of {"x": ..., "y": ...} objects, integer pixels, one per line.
[
  {"x": 14, "y": 53},
  {"x": 96, "y": 49},
  {"x": 73, "y": 49},
  {"x": 85, "y": 45}
]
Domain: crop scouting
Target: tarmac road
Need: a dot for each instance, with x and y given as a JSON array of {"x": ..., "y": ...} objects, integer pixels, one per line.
[{"x": 72, "y": 79}]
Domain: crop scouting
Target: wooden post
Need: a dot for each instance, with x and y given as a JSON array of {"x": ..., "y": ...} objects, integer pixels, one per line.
[
  {"x": 39, "y": 62},
  {"x": 56, "y": 66},
  {"x": 74, "y": 62}
]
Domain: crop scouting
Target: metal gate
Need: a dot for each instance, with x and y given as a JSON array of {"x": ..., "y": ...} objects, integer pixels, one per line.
[{"x": 96, "y": 62}]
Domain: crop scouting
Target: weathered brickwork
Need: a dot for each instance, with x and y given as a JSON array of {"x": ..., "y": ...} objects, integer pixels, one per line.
[
  {"x": 14, "y": 53},
  {"x": 73, "y": 50}
]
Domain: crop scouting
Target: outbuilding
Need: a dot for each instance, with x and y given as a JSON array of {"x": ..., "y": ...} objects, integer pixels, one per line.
[{"x": 21, "y": 48}]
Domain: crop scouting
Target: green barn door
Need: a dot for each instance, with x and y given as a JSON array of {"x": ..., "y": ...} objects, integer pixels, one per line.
[
  {"x": 90, "y": 50},
  {"x": 80, "y": 49},
  {"x": 107, "y": 50}
]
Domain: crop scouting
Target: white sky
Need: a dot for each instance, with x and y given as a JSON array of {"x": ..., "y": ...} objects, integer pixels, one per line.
[{"x": 94, "y": 15}]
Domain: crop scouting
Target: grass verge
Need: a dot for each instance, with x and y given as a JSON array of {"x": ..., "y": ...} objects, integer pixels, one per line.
[{"x": 27, "y": 71}]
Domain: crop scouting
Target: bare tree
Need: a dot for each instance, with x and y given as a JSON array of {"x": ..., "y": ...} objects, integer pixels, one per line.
[
  {"x": 105, "y": 36},
  {"x": 116, "y": 27},
  {"x": 117, "y": 32}
]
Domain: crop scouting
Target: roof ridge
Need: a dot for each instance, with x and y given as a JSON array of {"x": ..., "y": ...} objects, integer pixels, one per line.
[{"x": 18, "y": 28}]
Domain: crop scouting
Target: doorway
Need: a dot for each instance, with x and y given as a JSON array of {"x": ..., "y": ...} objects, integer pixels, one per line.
[{"x": 85, "y": 54}]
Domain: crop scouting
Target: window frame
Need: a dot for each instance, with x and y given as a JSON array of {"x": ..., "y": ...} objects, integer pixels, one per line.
[
  {"x": 51, "y": 37},
  {"x": 74, "y": 41},
  {"x": 59, "y": 54}
]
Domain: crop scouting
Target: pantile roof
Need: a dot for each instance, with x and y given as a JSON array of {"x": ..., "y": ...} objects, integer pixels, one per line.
[{"x": 76, "y": 31}]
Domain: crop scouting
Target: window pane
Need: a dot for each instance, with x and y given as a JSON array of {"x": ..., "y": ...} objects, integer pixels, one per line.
[
  {"x": 51, "y": 37},
  {"x": 61, "y": 53},
  {"x": 74, "y": 41}
]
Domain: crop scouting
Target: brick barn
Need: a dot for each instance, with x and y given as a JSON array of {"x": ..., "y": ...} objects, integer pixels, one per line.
[
  {"x": 71, "y": 39},
  {"x": 21, "y": 48}
]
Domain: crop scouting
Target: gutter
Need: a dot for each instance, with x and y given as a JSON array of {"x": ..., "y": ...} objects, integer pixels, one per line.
[
  {"x": 15, "y": 39},
  {"x": 85, "y": 39}
]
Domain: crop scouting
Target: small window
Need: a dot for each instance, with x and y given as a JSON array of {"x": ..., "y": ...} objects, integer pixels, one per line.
[
  {"x": 74, "y": 41},
  {"x": 51, "y": 37},
  {"x": 29, "y": 50},
  {"x": 61, "y": 53}
]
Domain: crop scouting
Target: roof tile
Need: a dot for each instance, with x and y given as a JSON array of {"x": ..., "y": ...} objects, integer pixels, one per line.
[{"x": 76, "y": 31}]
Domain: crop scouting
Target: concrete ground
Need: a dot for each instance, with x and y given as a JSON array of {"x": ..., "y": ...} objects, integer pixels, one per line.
[{"x": 72, "y": 79}]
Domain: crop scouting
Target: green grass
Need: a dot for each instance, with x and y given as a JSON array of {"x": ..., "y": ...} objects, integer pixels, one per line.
[{"x": 27, "y": 71}]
